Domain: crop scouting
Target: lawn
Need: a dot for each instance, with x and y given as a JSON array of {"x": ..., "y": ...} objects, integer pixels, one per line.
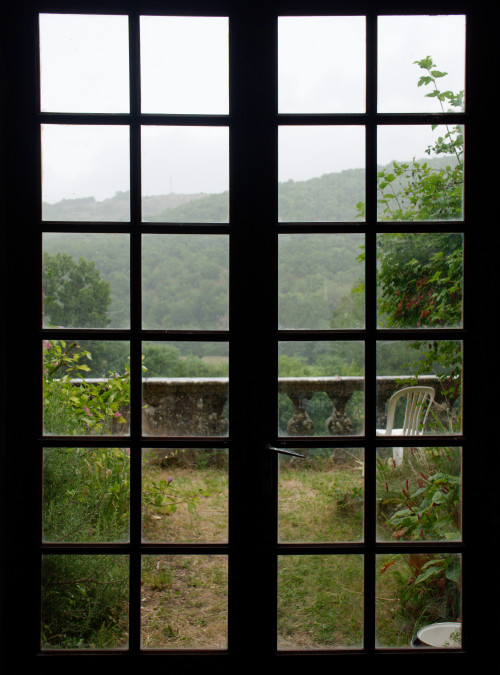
[{"x": 184, "y": 597}]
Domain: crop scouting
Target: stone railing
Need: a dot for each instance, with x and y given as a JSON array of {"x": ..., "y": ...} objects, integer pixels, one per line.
[{"x": 197, "y": 406}]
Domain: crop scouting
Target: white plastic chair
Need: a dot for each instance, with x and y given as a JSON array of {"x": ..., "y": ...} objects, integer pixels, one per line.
[{"x": 418, "y": 403}]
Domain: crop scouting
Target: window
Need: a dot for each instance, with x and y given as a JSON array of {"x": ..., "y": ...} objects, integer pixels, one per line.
[{"x": 287, "y": 277}]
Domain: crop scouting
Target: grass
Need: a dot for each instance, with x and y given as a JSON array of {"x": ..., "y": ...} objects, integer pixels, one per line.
[
  {"x": 320, "y": 601},
  {"x": 184, "y": 602},
  {"x": 184, "y": 597}
]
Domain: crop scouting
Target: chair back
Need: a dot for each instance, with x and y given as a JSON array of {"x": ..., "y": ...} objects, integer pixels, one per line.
[{"x": 418, "y": 403}]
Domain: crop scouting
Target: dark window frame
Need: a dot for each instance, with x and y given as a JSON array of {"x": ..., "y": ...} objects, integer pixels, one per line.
[{"x": 21, "y": 430}]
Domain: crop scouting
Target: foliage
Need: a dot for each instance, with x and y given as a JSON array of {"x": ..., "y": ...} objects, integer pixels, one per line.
[
  {"x": 84, "y": 601},
  {"x": 419, "y": 191},
  {"x": 422, "y": 499},
  {"x": 163, "y": 497},
  {"x": 73, "y": 405},
  {"x": 420, "y": 280},
  {"x": 74, "y": 295},
  {"x": 429, "y": 588},
  {"x": 86, "y": 494},
  {"x": 420, "y": 275}
]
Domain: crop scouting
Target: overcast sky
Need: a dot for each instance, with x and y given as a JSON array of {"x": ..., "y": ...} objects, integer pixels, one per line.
[{"x": 184, "y": 69}]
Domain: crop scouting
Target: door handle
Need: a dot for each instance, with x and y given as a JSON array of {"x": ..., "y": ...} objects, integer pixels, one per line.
[{"x": 283, "y": 451}]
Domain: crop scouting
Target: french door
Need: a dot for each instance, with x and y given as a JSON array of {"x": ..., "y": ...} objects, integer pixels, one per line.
[{"x": 305, "y": 534}]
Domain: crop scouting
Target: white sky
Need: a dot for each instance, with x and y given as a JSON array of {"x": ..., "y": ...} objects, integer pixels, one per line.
[{"x": 184, "y": 69}]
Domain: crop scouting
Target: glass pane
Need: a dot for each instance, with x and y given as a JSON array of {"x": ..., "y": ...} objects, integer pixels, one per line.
[
  {"x": 320, "y": 601},
  {"x": 86, "y": 494},
  {"x": 86, "y": 387},
  {"x": 320, "y": 498},
  {"x": 185, "y": 495},
  {"x": 419, "y": 600},
  {"x": 419, "y": 494},
  {"x": 184, "y": 602},
  {"x": 420, "y": 280},
  {"x": 321, "y": 173},
  {"x": 86, "y": 280},
  {"x": 185, "y": 389},
  {"x": 185, "y": 281},
  {"x": 438, "y": 43},
  {"x": 85, "y": 172},
  {"x": 185, "y": 174},
  {"x": 321, "y": 64},
  {"x": 320, "y": 388},
  {"x": 421, "y": 173},
  {"x": 429, "y": 375},
  {"x": 84, "y": 63},
  {"x": 184, "y": 65},
  {"x": 84, "y": 601},
  {"x": 320, "y": 281}
]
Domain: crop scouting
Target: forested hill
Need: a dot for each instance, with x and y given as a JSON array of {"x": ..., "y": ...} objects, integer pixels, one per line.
[
  {"x": 331, "y": 197},
  {"x": 116, "y": 208},
  {"x": 185, "y": 277},
  {"x": 328, "y": 198}
]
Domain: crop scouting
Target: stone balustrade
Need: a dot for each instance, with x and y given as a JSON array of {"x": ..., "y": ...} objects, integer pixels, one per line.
[{"x": 197, "y": 406}]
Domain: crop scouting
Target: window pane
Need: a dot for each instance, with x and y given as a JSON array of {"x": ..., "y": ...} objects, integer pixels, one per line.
[
  {"x": 84, "y": 63},
  {"x": 85, "y": 172},
  {"x": 185, "y": 495},
  {"x": 86, "y": 387},
  {"x": 86, "y": 494},
  {"x": 185, "y": 281},
  {"x": 185, "y": 389},
  {"x": 409, "y": 365},
  {"x": 320, "y": 281},
  {"x": 420, "y": 280},
  {"x": 320, "y": 601},
  {"x": 84, "y": 601},
  {"x": 190, "y": 165},
  {"x": 419, "y": 600},
  {"x": 419, "y": 494},
  {"x": 402, "y": 40},
  {"x": 86, "y": 280},
  {"x": 320, "y": 497},
  {"x": 320, "y": 388},
  {"x": 421, "y": 173},
  {"x": 184, "y": 602},
  {"x": 321, "y": 64},
  {"x": 321, "y": 173},
  {"x": 184, "y": 65}
]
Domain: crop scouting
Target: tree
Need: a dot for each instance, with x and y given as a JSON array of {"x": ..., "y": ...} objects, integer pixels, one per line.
[
  {"x": 420, "y": 275},
  {"x": 74, "y": 295}
]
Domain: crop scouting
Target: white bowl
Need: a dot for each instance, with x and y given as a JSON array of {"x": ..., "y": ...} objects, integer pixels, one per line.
[{"x": 439, "y": 634}]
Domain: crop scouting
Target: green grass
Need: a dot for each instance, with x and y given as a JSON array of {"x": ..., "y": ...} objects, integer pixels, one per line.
[{"x": 184, "y": 598}]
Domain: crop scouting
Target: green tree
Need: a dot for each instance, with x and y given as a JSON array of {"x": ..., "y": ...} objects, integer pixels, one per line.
[
  {"x": 419, "y": 277},
  {"x": 74, "y": 295}
]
